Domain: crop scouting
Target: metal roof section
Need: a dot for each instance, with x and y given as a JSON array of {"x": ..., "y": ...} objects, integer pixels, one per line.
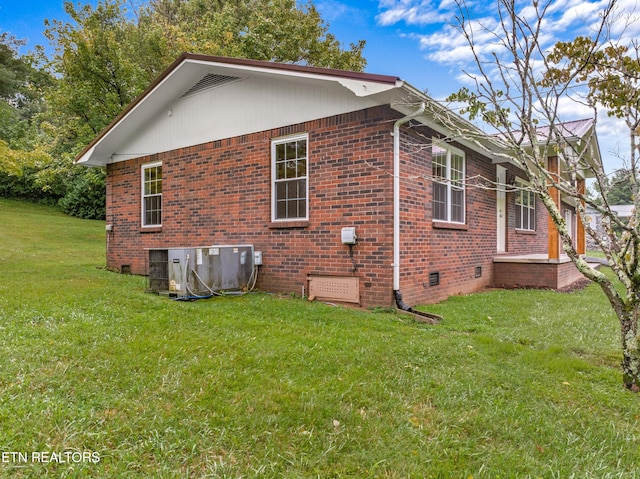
[
  {"x": 579, "y": 136},
  {"x": 570, "y": 129}
]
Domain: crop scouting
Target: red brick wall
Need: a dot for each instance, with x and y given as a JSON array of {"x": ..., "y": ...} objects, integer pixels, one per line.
[
  {"x": 455, "y": 253},
  {"x": 519, "y": 241},
  {"x": 220, "y": 193},
  {"x": 536, "y": 275},
  {"x": 428, "y": 247}
]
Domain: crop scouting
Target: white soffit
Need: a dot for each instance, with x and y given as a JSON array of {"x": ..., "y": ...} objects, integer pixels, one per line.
[
  {"x": 87, "y": 155},
  {"x": 167, "y": 91},
  {"x": 364, "y": 88}
]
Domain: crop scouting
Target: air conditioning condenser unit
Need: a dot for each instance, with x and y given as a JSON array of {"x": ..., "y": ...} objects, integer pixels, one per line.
[{"x": 191, "y": 273}]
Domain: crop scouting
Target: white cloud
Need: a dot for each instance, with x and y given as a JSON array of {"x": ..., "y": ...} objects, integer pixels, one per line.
[
  {"x": 574, "y": 107},
  {"x": 626, "y": 21},
  {"x": 614, "y": 141},
  {"x": 411, "y": 12},
  {"x": 432, "y": 25},
  {"x": 449, "y": 46},
  {"x": 564, "y": 20}
]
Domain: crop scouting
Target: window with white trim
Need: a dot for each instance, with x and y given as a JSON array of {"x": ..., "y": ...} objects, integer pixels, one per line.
[
  {"x": 289, "y": 173},
  {"x": 448, "y": 169},
  {"x": 152, "y": 194},
  {"x": 525, "y": 206}
]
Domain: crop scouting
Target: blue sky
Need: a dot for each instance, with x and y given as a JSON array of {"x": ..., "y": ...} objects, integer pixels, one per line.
[
  {"x": 390, "y": 49},
  {"x": 25, "y": 19},
  {"x": 412, "y": 39},
  {"x": 417, "y": 40}
]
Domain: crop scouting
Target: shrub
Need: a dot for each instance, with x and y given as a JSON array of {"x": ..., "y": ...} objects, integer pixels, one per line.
[{"x": 85, "y": 194}]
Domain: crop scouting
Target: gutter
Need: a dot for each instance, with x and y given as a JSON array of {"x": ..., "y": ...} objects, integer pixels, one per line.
[{"x": 396, "y": 204}]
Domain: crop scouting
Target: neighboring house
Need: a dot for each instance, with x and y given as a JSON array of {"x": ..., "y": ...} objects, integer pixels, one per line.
[
  {"x": 225, "y": 151},
  {"x": 624, "y": 212}
]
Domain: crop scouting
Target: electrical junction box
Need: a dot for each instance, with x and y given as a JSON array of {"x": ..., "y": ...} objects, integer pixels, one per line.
[{"x": 349, "y": 235}]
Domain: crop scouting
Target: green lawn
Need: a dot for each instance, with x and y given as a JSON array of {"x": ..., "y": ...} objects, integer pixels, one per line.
[{"x": 512, "y": 384}]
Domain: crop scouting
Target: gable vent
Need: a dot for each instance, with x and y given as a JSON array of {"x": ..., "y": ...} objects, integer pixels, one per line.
[{"x": 209, "y": 81}]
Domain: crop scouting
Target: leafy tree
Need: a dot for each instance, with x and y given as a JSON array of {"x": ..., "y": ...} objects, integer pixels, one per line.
[
  {"x": 21, "y": 91},
  {"x": 85, "y": 194},
  {"x": 612, "y": 74},
  {"x": 19, "y": 172},
  {"x": 279, "y": 31},
  {"x": 98, "y": 71},
  {"x": 13, "y": 71},
  {"x": 109, "y": 53},
  {"x": 520, "y": 86},
  {"x": 275, "y": 30},
  {"x": 22, "y": 154},
  {"x": 617, "y": 188}
]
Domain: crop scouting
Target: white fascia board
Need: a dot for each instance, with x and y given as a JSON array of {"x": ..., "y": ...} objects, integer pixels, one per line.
[
  {"x": 364, "y": 88},
  {"x": 360, "y": 87},
  {"x": 170, "y": 89},
  {"x": 412, "y": 97},
  {"x": 101, "y": 154},
  {"x": 86, "y": 158}
]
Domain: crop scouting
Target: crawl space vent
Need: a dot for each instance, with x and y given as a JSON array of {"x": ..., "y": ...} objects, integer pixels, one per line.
[
  {"x": 334, "y": 288},
  {"x": 207, "y": 82}
]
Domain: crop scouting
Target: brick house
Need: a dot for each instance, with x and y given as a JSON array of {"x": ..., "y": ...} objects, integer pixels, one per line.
[{"x": 288, "y": 158}]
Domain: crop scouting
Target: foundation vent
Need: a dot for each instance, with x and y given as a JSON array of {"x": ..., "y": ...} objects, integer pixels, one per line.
[{"x": 334, "y": 288}]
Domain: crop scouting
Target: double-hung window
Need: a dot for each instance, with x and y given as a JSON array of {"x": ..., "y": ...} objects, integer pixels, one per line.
[
  {"x": 289, "y": 173},
  {"x": 448, "y": 169},
  {"x": 525, "y": 206},
  {"x": 152, "y": 194}
]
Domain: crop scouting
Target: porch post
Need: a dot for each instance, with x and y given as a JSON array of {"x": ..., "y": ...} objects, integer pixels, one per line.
[
  {"x": 581, "y": 246},
  {"x": 553, "y": 238}
]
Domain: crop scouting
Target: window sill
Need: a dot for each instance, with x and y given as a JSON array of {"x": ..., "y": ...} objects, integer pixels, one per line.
[
  {"x": 276, "y": 225},
  {"x": 525, "y": 232},
  {"x": 445, "y": 225},
  {"x": 151, "y": 229}
]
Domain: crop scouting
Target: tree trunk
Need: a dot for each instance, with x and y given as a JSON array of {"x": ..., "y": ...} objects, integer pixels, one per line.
[{"x": 630, "y": 348}]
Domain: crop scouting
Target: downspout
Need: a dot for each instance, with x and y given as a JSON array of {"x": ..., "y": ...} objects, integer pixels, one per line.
[{"x": 396, "y": 205}]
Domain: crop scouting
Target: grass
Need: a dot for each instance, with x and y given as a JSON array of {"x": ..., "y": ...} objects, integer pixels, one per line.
[{"x": 512, "y": 384}]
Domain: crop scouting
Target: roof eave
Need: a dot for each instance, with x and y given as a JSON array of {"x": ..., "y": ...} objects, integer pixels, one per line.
[
  {"x": 484, "y": 144},
  {"x": 85, "y": 156},
  {"x": 361, "y": 84}
]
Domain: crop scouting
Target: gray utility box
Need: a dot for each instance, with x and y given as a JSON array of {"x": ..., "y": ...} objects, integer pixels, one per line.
[{"x": 192, "y": 272}]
